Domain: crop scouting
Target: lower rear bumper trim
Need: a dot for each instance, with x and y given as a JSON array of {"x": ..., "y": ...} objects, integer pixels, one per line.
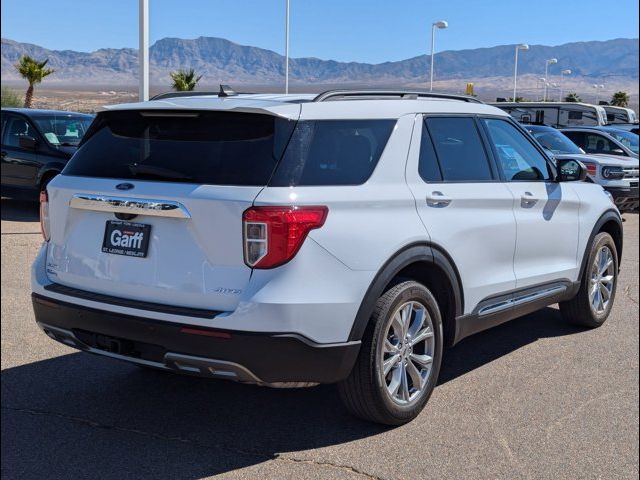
[{"x": 273, "y": 359}]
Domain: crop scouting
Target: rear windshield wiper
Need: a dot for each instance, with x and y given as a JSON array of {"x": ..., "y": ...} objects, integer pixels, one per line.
[{"x": 154, "y": 171}]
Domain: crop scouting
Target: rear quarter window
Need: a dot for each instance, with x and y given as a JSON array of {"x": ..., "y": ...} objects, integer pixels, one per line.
[{"x": 332, "y": 152}]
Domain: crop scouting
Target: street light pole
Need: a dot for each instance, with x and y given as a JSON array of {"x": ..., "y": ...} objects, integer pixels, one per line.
[
  {"x": 562, "y": 74},
  {"x": 543, "y": 80},
  {"x": 440, "y": 24},
  {"x": 522, "y": 46},
  {"x": 551, "y": 61},
  {"x": 286, "y": 50},
  {"x": 598, "y": 88},
  {"x": 143, "y": 50}
]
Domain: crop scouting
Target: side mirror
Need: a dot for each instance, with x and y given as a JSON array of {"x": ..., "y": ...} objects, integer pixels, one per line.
[
  {"x": 618, "y": 151},
  {"x": 27, "y": 142},
  {"x": 570, "y": 170}
]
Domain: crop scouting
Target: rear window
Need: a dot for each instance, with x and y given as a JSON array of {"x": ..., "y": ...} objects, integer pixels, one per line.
[
  {"x": 219, "y": 148},
  {"x": 333, "y": 152},
  {"x": 230, "y": 148}
]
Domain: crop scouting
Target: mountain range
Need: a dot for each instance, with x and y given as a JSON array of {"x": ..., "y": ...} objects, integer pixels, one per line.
[{"x": 223, "y": 61}]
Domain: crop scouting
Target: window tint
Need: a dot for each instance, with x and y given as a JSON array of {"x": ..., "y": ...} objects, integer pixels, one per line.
[
  {"x": 578, "y": 138},
  {"x": 333, "y": 152},
  {"x": 17, "y": 127},
  {"x": 519, "y": 159},
  {"x": 459, "y": 149},
  {"x": 556, "y": 142},
  {"x": 219, "y": 148},
  {"x": 3, "y": 121},
  {"x": 595, "y": 143},
  {"x": 428, "y": 164},
  {"x": 628, "y": 139},
  {"x": 65, "y": 130}
]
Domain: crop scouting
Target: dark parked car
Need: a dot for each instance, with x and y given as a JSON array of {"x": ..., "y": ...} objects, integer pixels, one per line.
[{"x": 36, "y": 145}]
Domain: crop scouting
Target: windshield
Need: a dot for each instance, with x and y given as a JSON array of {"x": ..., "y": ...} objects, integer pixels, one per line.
[
  {"x": 628, "y": 139},
  {"x": 63, "y": 130},
  {"x": 556, "y": 142}
]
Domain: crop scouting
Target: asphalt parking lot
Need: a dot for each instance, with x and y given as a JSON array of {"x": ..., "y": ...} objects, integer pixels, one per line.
[{"x": 534, "y": 398}]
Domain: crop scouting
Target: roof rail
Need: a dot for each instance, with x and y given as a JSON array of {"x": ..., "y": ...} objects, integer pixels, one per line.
[{"x": 402, "y": 94}]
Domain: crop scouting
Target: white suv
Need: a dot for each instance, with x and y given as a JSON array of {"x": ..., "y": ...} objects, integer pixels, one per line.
[{"x": 294, "y": 240}]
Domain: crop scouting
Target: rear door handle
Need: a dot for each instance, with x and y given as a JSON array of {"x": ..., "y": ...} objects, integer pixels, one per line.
[
  {"x": 527, "y": 199},
  {"x": 437, "y": 199}
]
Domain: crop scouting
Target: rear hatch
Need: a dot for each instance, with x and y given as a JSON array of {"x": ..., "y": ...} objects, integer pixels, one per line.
[{"x": 150, "y": 207}]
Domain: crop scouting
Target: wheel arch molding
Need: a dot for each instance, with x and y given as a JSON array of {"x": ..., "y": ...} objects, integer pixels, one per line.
[
  {"x": 610, "y": 222},
  {"x": 411, "y": 256}
]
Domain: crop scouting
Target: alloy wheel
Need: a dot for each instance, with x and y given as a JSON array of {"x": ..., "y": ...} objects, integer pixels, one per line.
[
  {"x": 602, "y": 280},
  {"x": 407, "y": 354}
]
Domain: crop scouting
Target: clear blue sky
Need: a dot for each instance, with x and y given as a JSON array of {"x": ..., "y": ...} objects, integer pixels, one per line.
[{"x": 346, "y": 30}]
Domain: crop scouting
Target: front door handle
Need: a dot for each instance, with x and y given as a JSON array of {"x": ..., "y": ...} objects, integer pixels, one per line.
[
  {"x": 527, "y": 199},
  {"x": 437, "y": 199}
]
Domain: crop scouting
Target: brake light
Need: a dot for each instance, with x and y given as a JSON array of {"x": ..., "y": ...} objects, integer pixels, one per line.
[
  {"x": 273, "y": 235},
  {"x": 44, "y": 215},
  {"x": 592, "y": 168}
]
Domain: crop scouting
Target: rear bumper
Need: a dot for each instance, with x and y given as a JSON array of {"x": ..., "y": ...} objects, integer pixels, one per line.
[
  {"x": 626, "y": 198},
  {"x": 263, "y": 358}
]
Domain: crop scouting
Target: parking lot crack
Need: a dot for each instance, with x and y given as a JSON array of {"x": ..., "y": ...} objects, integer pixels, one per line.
[
  {"x": 230, "y": 449},
  {"x": 627, "y": 293},
  {"x": 94, "y": 424},
  {"x": 344, "y": 468}
]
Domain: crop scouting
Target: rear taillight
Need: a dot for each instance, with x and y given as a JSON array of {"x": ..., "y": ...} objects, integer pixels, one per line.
[
  {"x": 44, "y": 215},
  {"x": 592, "y": 168},
  {"x": 273, "y": 235}
]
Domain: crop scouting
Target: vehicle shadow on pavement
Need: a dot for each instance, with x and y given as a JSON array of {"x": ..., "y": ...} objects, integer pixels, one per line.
[
  {"x": 82, "y": 415},
  {"x": 19, "y": 211},
  {"x": 484, "y": 347}
]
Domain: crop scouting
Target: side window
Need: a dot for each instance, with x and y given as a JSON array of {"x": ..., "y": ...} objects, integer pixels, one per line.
[
  {"x": 519, "y": 159},
  {"x": 428, "y": 167},
  {"x": 598, "y": 144},
  {"x": 3, "y": 122},
  {"x": 459, "y": 149},
  {"x": 15, "y": 128},
  {"x": 577, "y": 138}
]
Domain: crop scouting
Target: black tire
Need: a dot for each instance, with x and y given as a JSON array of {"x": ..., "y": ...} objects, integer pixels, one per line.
[
  {"x": 364, "y": 392},
  {"x": 578, "y": 310},
  {"x": 46, "y": 179}
]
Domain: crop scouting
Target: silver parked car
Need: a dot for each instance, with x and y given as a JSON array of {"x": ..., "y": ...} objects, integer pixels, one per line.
[{"x": 604, "y": 140}]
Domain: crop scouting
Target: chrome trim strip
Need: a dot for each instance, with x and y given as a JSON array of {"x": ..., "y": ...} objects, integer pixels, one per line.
[
  {"x": 134, "y": 206},
  {"x": 512, "y": 302}
]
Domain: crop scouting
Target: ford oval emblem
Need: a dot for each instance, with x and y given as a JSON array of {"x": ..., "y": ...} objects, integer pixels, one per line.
[{"x": 124, "y": 186}]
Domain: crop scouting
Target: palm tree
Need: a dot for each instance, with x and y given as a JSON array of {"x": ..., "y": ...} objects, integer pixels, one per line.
[
  {"x": 620, "y": 99},
  {"x": 184, "y": 80},
  {"x": 33, "y": 72},
  {"x": 572, "y": 97}
]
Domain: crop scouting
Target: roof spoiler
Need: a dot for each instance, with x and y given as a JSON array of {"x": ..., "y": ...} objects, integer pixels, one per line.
[{"x": 225, "y": 91}]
